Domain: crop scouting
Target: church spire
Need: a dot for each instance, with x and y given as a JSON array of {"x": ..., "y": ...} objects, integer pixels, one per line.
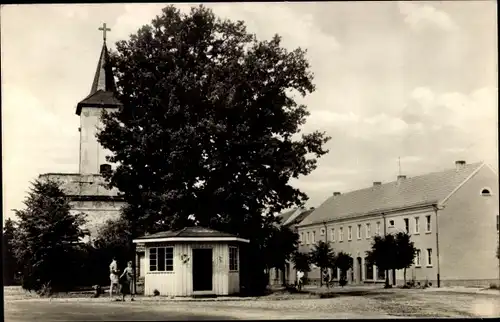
[
  {"x": 104, "y": 79},
  {"x": 102, "y": 92}
]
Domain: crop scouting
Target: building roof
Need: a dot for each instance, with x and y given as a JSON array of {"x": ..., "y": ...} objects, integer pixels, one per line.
[
  {"x": 424, "y": 189},
  {"x": 286, "y": 215},
  {"x": 103, "y": 89},
  {"x": 190, "y": 233}
]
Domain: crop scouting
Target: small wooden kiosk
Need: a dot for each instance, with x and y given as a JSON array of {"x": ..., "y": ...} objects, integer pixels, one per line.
[{"x": 191, "y": 261}]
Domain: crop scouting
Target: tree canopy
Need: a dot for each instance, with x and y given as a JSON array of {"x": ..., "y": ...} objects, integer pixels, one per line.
[
  {"x": 301, "y": 261},
  {"x": 210, "y": 129},
  {"x": 47, "y": 238}
]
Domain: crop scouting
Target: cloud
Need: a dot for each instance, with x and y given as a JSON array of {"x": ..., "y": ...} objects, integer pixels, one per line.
[
  {"x": 421, "y": 15},
  {"x": 367, "y": 128}
]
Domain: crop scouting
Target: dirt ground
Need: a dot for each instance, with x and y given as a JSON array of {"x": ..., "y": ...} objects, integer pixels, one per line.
[{"x": 337, "y": 303}]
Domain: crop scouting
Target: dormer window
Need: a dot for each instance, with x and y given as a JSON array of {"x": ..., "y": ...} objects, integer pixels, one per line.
[{"x": 485, "y": 192}]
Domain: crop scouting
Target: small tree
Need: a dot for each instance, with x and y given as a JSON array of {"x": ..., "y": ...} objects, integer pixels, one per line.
[
  {"x": 384, "y": 254},
  {"x": 10, "y": 265},
  {"x": 113, "y": 240},
  {"x": 344, "y": 262},
  {"x": 301, "y": 262},
  {"x": 48, "y": 235},
  {"x": 406, "y": 252},
  {"x": 322, "y": 255},
  {"x": 282, "y": 243}
]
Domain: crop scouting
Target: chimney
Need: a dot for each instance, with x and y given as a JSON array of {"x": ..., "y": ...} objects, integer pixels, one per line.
[
  {"x": 312, "y": 208},
  {"x": 377, "y": 183},
  {"x": 401, "y": 178},
  {"x": 336, "y": 193},
  {"x": 459, "y": 164}
]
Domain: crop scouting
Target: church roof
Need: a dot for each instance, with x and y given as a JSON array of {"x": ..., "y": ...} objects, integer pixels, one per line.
[
  {"x": 420, "y": 190},
  {"x": 102, "y": 92}
]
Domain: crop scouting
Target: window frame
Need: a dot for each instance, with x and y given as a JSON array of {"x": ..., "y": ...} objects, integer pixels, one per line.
[
  {"x": 407, "y": 224},
  {"x": 313, "y": 237},
  {"x": 417, "y": 225},
  {"x": 332, "y": 231},
  {"x": 236, "y": 260},
  {"x": 428, "y": 224},
  {"x": 349, "y": 233},
  {"x": 341, "y": 234},
  {"x": 167, "y": 267},
  {"x": 429, "y": 257},
  {"x": 391, "y": 223},
  {"x": 307, "y": 238},
  {"x": 322, "y": 231},
  {"x": 368, "y": 230},
  {"x": 359, "y": 231},
  {"x": 377, "y": 228},
  {"x": 418, "y": 258}
]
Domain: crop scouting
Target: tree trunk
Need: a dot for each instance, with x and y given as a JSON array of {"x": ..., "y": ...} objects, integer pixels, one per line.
[
  {"x": 320, "y": 277},
  {"x": 283, "y": 275},
  {"x": 404, "y": 275},
  {"x": 386, "y": 278}
]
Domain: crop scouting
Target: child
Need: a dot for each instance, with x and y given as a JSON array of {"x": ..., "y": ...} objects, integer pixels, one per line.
[
  {"x": 126, "y": 279},
  {"x": 113, "y": 277}
]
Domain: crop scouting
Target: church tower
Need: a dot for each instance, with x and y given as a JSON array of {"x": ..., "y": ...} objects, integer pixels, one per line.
[{"x": 102, "y": 97}]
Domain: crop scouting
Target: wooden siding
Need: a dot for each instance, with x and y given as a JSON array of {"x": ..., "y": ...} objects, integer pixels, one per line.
[{"x": 180, "y": 281}]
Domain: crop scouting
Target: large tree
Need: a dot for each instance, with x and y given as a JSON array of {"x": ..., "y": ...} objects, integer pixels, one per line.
[
  {"x": 10, "y": 264},
  {"x": 48, "y": 235},
  {"x": 209, "y": 133},
  {"x": 323, "y": 256}
]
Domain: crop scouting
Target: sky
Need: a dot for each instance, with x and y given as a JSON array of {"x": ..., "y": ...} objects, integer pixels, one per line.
[{"x": 415, "y": 81}]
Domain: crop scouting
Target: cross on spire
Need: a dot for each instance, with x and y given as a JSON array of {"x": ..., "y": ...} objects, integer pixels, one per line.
[{"x": 104, "y": 29}]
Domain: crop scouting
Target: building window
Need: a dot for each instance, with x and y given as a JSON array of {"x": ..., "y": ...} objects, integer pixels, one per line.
[
  {"x": 428, "y": 225},
  {"x": 391, "y": 223},
  {"x": 313, "y": 237},
  {"x": 322, "y": 231},
  {"x": 359, "y": 231},
  {"x": 161, "y": 259},
  {"x": 377, "y": 229},
  {"x": 380, "y": 274},
  {"x": 233, "y": 258},
  {"x": 368, "y": 269},
  {"x": 341, "y": 234},
  {"x": 417, "y": 258},
  {"x": 407, "y": 225},
  {"x": 417, "y": 225},
  {"x": 485, "y": 192},
  {"x": 307, "y": 238},
  {"x": 335, "y": 273},
  {"x": 429, "y": 257},
  {"x": 349, "y": 233},
  {"x": 368, "y": 233},
  {"x": 301, "y": 238},
  {"x": 332, "y": 234}
]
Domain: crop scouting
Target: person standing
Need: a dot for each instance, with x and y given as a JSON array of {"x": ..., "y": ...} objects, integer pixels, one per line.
[
  {"x": 126, "y": 281},
  {"x": 300, "y": 276},
  {"x": 113, "y": 277}
]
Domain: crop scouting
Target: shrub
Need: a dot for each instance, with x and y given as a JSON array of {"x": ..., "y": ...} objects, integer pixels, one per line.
[
  {"x": 45, "y": 290},
  {"x": 343, "y": 281},
  {"x": 156, "y": 292},
  {"x": 493, "y": 286}
]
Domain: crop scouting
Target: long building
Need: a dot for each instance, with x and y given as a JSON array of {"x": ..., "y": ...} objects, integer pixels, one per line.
[{"x": 452, "y": 217}]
